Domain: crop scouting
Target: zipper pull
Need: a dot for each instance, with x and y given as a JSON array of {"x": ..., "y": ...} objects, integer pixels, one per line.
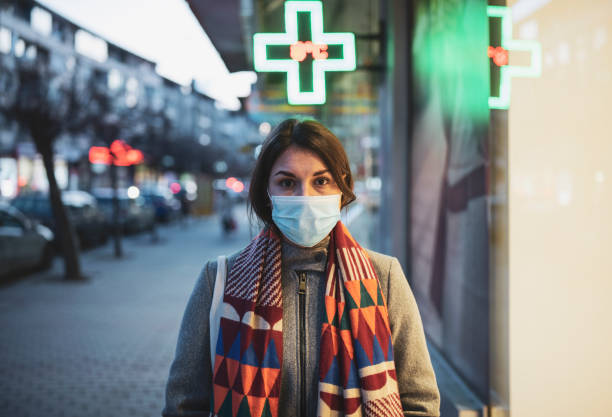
[{"x": 302, "y": 287}]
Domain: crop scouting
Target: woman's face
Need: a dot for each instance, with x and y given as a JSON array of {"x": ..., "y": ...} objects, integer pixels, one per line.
[{"x": 300, "y": 172}]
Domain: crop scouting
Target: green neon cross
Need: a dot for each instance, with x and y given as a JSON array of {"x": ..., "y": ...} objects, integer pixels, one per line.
[
  {"x": 509, "y": 44},
  {"x": 292, "y": 67}
]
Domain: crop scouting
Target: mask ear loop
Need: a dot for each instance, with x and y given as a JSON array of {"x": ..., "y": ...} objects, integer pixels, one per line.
[{"x": 345, "y": 208}]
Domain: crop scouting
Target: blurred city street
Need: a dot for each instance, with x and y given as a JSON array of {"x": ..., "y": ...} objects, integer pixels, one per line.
[
  {"x": 470, "y": 140},
  {"x": 103, "y": 347}
]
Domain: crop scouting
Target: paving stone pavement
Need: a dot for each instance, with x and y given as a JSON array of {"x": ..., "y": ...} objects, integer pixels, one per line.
[{"x": 103, "y": 347}]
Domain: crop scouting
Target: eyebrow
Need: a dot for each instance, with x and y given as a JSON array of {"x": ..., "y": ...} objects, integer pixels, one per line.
[{"x": 289, "y": 174}]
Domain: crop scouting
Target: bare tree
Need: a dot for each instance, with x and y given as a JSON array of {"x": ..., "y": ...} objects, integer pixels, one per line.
[
  {"x": 40, "y": 100},
  {"x": 109, "y": 118}
]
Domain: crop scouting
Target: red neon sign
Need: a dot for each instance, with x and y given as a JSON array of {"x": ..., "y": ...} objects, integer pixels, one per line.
[
  {"x": 299, "y": 50},
  {"x": 499, "y": 55},
  {"x": 120, "y": 153},
  {"x": 238, "y": 186}
]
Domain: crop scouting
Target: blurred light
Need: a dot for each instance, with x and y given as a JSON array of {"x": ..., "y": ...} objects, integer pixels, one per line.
[
  {"x": 257, "y": 150},
  {"x": 191, "y": 187},
  {"x": 229, "y": 183},
  {"x": 373, "y": 183},
  {"x": 122, "y": 154},
  {"x": 133, "y": 191},
  {"x": 131, "y": 100},
  {"x": 131, "y": 84},
  {"x": 91, "y": 46},
  {"x": 175, "y": 187},
  {"x": 41, "y": 21},
  {"x": 204, "y": 122},
  {"x": 220, "y": 166},
  {"x": 319, "y": 66},
  {"x": 238, "y": 186},
  {"x": 99, "y": 155},
  {"x": 600, "y": 177},
  {"x": 8, "y": 177},
  {"x": 499, "y": 55},
  {"x": 5, "y": 40},
  {"x": 125, "y": 155},
  {"x": 370, "y": 142},
  {"x": 298, "y": 51},
  {"x": 61, "y": 174},
  {"x": 7, "y": 188},
  {"x": 265, "y": 128},
  {"x": 204, "y": 139},
  {"x": 114, "y": 79}
]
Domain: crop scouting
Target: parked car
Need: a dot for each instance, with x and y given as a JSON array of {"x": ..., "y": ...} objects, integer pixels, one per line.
[
  {"x": 87, "y": 219},
  {"x": 166, "y": 207},
  {"x": 134, "y": 215},
  {"x": 24, "y": 244}
]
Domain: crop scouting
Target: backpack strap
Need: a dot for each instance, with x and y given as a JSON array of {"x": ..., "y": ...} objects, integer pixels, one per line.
[{"x": 216, "y": 306}]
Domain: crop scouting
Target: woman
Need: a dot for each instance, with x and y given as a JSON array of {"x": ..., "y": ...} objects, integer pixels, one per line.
[{"x": 311, "y": 324}]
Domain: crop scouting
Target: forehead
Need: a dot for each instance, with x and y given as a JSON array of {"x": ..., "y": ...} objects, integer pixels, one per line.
[{"x": 298, "y": 161}]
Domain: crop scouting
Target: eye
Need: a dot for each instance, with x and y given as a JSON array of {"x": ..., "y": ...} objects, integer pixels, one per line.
[
  {"x": 322, "y": 181},
  {"x": 286, "y": 183}
]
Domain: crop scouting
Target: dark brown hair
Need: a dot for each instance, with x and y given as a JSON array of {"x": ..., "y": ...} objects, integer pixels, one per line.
[{"x": 309, "y": 135}]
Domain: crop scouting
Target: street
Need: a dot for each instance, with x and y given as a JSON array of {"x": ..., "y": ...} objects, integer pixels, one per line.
[{"x": 103, "y": 347}]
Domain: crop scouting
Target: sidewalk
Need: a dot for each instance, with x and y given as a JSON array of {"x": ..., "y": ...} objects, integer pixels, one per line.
[{"x": 104, "y": 347}]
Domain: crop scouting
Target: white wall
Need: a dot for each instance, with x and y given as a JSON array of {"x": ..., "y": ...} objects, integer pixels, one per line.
[{"x": 560, "y": 215}]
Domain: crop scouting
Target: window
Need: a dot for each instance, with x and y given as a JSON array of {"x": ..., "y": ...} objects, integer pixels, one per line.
[
  {"x": 41, "y": 21},
  {"x": 114, "y": 79},
  {"x": 30, "y": 52},
  {"x": 5, "y": 40},
  {"x": 91, "y": 46},
  {"x": 20, "y": 47}
]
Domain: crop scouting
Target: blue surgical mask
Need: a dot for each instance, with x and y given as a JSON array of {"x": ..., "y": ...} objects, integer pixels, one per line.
[{"x": 306, "y": 220}]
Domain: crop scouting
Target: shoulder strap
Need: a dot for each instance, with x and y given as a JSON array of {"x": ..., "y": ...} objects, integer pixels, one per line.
[{"x": 216, "y": 306}]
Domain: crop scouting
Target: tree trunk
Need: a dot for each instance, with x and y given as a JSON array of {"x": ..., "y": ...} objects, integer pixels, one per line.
[
  {"x": 116, "y": 213},
  {"x": 63, "y": 225}
]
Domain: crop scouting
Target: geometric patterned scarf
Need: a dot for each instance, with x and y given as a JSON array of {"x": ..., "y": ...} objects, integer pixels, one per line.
[{"x": 357, "y": 372}]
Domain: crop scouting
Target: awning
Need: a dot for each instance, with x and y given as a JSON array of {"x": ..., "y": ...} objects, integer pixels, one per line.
[{"x": 222, "y": 23}]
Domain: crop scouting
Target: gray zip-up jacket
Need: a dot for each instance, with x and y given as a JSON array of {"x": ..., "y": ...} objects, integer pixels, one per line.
[{"x": 189, "y": 387}]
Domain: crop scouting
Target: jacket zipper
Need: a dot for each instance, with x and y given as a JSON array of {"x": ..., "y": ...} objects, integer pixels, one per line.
[{"x": 302, "y": 343}]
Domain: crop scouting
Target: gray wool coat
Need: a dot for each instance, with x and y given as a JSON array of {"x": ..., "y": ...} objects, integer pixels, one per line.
[{"x": 189, "y": 386}]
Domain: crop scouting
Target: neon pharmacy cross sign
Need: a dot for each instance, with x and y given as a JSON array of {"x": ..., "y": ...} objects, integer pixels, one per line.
[
  {"x": 318, "y": 47},
  {"x": 509, "y": 44}
]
